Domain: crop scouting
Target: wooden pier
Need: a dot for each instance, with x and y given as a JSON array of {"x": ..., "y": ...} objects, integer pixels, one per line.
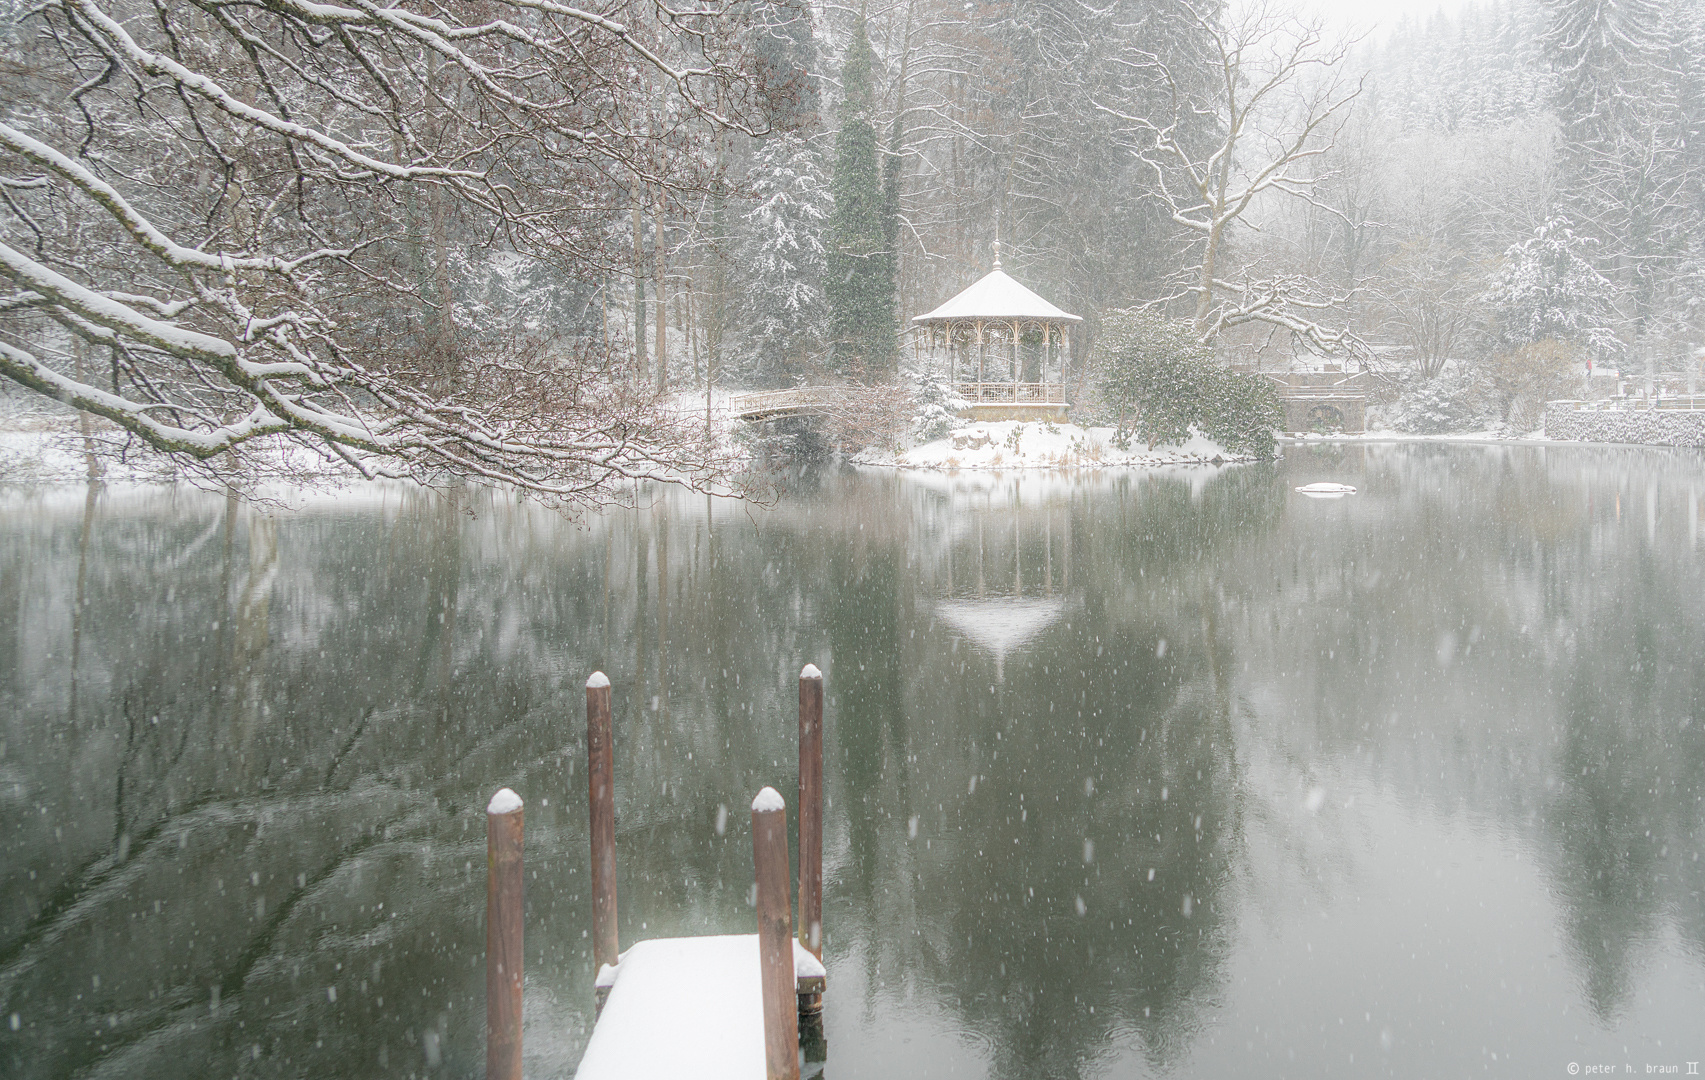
[
  {"x": 690, "y": 1007},
  {"x": 729, "y": 1006}
]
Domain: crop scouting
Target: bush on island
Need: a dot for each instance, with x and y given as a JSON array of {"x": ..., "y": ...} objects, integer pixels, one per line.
[{"x": 1158, "y": 380}]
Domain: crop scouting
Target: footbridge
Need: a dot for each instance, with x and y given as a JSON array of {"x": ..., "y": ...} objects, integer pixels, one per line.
[{"x": 801, "y": 401}]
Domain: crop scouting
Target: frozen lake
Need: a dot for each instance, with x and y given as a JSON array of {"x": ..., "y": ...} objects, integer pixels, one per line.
[{"x": 1179, "y": 774}]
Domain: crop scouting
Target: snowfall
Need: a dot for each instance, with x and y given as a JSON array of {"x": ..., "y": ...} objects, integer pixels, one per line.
[{"x": 1013, "y": 444}]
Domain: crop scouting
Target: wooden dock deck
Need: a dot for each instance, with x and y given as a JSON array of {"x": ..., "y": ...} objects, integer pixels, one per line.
[{"x": 687, "y": 1007}]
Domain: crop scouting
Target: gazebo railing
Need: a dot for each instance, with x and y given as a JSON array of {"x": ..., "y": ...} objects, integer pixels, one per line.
[{"x": 1012, "y": 393}]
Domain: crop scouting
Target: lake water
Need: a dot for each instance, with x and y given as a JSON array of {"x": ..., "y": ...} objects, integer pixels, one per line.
[{"x": 1177, "y": 774}]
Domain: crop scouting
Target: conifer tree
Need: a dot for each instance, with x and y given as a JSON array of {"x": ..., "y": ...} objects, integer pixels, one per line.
[
  {"x": 860, "y": 280},
  {"x": 782, "y": 308},
  {"x": 1623, "y": 167}
]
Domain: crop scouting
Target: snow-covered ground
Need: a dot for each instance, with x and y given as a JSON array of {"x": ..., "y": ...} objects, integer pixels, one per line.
[
  {"x": 1013, "y": 444},
  {"x": 51, "y": 449},
  {"x": 42, "y": 443}
]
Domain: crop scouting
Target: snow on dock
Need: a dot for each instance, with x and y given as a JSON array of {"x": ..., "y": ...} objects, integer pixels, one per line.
[{"x": 707, "y": 992}]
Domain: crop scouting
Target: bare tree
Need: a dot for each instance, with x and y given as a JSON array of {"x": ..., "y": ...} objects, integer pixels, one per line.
[
  {"x": 1277, "y": 101},
  {"x": 1431, "y": 294},
  {"x": 257, "y": 187}
]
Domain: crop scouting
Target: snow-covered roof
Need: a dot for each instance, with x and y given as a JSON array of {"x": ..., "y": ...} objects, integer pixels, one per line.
[{"x": 996, "y": 296}]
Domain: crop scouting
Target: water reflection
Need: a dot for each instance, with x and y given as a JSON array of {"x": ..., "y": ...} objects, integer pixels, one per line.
[{"x": 1127, "y": 775}]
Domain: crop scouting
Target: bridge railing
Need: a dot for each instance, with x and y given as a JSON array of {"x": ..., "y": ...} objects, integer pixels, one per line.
[
  {"x": 767, "y": 403},
  {"x": 777, "y": 401}
]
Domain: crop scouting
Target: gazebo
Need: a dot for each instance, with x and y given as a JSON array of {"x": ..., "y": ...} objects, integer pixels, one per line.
[{"x": 1005, "y": 347}]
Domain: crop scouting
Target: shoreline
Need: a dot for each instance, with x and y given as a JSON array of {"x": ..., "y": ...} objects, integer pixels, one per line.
[{"x": 46, "y": 450}]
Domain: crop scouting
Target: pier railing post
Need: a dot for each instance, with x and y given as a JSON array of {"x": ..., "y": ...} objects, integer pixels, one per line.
[
  {"x": 601, "y": 789},
  {"x": 775, "y": 936},
  {"x": 811, "y": 810},
  {"x": 503, "y": 907}
]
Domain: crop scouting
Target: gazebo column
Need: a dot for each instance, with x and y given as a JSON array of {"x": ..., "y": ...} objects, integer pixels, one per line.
[
  {"x": 1012, "y": 327},
  {"x": 981, "y": 352},
  {"x": 1065, "y": 355},
  {"x": 1054, "y": 352},
  {"x": 1059, "y": 360},
  {"x": 1047, "y": 362}
]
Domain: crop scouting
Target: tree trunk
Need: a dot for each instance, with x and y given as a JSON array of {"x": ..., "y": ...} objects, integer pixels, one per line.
[
  {"x": 658, "y": 269},
  {"x": 640, "y": 368},
  {"x": 1205, "y": 298}
]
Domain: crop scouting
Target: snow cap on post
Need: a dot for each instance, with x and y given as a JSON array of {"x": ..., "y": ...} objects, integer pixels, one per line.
[
  {"x": 598, "y": 681},
  {"x": 504, "y": 802},
  {"x": 768, "y": 801},
  {"x": 810, "y": 672}
]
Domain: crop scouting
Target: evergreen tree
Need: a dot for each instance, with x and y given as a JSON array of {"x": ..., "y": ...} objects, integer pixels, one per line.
[
  {"x": 1624, "y": 176},
  {"x": 1608, "y": 59},
  {"x": 784, "y": 316},
  {"x": 860, "y": 281},
  {"x": 1548, "y": 288}
]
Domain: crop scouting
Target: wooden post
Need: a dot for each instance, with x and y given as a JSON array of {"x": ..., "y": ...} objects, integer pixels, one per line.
[
  {"x": 503, "y": 894},
  {"x": 775, "y": 936},
  {"x": 811, "y": 810},
  {"x": 601, "y": 788}
]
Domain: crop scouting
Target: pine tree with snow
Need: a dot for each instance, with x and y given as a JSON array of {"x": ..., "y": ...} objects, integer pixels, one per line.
[
  {"x": 784, "y": 314},
  {"x": 1548, "y": 288},
  {"x": 1608, "y": 56},
  {"x": 1622, "y": 70}
]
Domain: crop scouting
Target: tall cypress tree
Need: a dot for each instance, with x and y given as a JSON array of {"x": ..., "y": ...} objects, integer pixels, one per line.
[{"x": 860, "y": 280}]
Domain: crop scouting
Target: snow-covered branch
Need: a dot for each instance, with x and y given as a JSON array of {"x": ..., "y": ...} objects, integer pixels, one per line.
[
  {"x": 230, "y": 223},
  {"x": 1277, "y": 101}
]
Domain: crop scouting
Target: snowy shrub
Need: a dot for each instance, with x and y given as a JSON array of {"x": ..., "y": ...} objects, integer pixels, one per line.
[
  {"x": 1158, "y": 381},
  {"x": 1451, "y": 401},
  {"x": 873, "y": 417}
]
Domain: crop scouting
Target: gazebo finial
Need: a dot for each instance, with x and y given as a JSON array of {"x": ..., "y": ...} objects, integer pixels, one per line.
[{"x": 997, "y": 243}]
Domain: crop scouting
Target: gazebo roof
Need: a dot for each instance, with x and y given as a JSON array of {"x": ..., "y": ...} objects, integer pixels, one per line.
[{"x": 997, "y": 296}]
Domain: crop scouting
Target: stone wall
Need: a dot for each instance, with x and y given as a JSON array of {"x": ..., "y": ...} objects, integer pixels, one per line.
[
  {"x": 1652, "y": 427},
  {"x": 1347, "y": 413}
]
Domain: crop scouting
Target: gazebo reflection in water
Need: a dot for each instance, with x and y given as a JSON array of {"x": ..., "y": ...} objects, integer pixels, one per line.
[
  {"x": 1005, "y": 348},
  {"x": 999, "y": 569}
]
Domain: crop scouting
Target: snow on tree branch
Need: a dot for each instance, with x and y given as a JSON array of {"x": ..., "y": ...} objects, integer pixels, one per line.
[
  {"x": 226, "y": 224},
  {"x": 1276, "y": 101}
]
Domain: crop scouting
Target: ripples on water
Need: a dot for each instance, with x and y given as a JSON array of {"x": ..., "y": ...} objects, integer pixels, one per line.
[{"x": 1171, "y": 774}]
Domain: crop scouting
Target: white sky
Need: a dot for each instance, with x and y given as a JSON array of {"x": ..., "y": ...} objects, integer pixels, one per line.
[{"x": 1375, "y": 15}]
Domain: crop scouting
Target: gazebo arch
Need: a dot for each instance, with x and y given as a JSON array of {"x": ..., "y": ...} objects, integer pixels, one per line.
[{"x": 1006, "y": 348}]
